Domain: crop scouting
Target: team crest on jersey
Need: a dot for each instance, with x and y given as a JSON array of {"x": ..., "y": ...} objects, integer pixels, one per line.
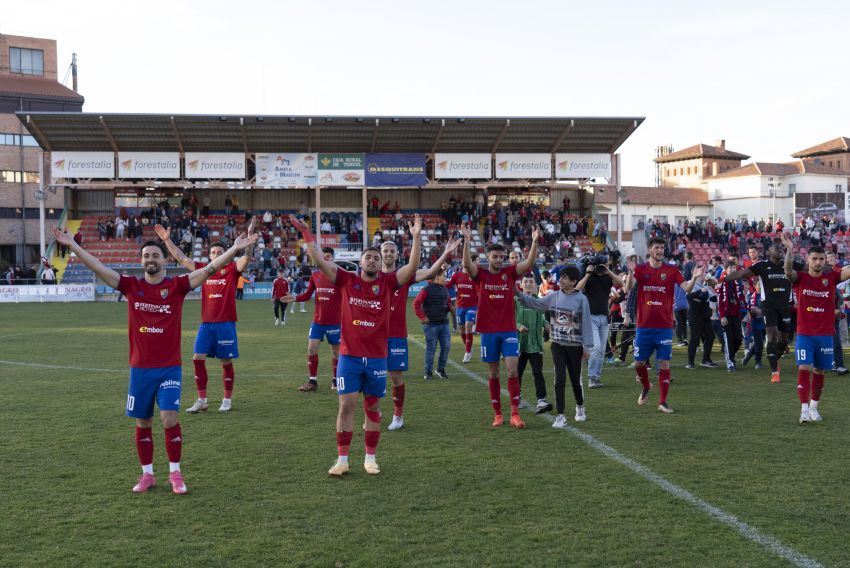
[
  {"x": 824, "y": 281},
  {"x": 663, "y": 276},
  {"x": 504, "y": 277},
  {"x": 376, "y": 289},
  {"x": 223, "y": 271},
  {"x": 163, "y": 293}
]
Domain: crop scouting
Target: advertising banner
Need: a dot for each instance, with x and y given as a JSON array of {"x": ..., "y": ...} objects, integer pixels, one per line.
[
  {"x": 581, "y": 166},
  {"x": 820, "y": 206},
  {"x": 210, "y": 165},
  {"x": 148, "y": 165},
  {"x": 341, "y": 170},
  {"x": 100, "y": 165},
  {"x": 463, "y": 166},
  {"x": 54, "y": 293},
  {"x": 523, "y": 166},
  {"x": 287, "y": 170},
  {"x": 395, "y": 170}
]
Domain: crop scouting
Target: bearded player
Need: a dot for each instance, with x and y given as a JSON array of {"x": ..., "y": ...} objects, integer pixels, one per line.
[
  {"x": 365, "y": 301},
  {"x": 815, "y": 290},
  {"x": 217, "y": 333},
  {"x": 154, "y": 312},
  {"x": 496, "y": 319}
]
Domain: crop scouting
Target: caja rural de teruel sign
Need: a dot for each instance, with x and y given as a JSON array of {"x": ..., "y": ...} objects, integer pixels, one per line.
[{"x": 341, "y": 170}]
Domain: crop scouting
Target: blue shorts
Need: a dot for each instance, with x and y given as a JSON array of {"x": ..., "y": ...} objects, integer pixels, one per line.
[
  {"x": 397, "y": 354},
  {"x": 493, "y": 345},
  {"x": 217, "y": 340},
  {"x": 361, "y": 374},
  {"x": 329, "y": 332},
  {"x": 814, "y": 350},
  {"x": 651, "y": 339},
  {"x": 162, "y": 384},
  {"x": 466, "y": 315}
]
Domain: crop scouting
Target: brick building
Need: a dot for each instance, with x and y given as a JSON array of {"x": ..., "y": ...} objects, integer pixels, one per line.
[
  {"x": 688, "y": 167},
  {"x": 28, "y": 82}
]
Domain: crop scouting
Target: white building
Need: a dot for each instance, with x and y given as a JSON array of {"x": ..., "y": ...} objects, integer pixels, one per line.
[{"x": 765, "y": 191}]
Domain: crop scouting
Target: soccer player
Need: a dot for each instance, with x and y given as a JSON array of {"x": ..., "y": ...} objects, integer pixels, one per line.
[
  {"x": 815, "y": 290},
  {"x": 365, "y": 299},
  {"x": 280, "y": 288},
  {"x": 775, "y": 301},
  {"x": 325, "y": 325},
  {"x": 155, "y": 307},
  {"x": 496, "y": 319},
  {"x": 217, "y": 334},
  {"x": 466, "y": 306},
  {"x": 654, "y": 282},
  {"x": 397, "y": 362}
]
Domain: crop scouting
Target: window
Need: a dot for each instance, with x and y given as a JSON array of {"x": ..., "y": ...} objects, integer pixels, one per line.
[
  {"x": 15, "y": 140},
  {"x": 667, "y": 172},
  {"x": 838, "y": 164},
  {"x": 839, "y": 188},
  {"x": 792, "y": 188},
  {"x": 26, "y": 61},
  {"x": 11, "y": 176},
  {"x": 689, "y": 170}
]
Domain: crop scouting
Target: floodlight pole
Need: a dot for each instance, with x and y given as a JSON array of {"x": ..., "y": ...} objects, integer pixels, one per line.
[{"x": 42, "y": 196}]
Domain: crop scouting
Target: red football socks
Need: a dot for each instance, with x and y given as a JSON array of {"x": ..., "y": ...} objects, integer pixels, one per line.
[
  {"x": 663, "y": 384},
  {"x": 227, "y": 377},
  {"x": 201, "y": 377},
  {"x": 468, "y": 342},
  {"x": 513, "y": 392},
  {"x": 643, "y": 375},
  {"x": 371, "y": 439},
  {"x": 495, "y": 393},
  {"x": 343, "y": 443},
  {"x": 803, "y": 386},
  {"x": 398, "y": 400},
  {"x": 144, "y": 445},
  {"x": 313, "y": 366},
  {"x": 817, "y": 385},
  {"x": 334, "y": 362},
  {"x": 174, "y": 443}
]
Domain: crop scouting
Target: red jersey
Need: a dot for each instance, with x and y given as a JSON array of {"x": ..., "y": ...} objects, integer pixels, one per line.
[
  {"x": 467, "y": 296},
  {"x": 327, "y": 310},
  {"x": 816, "y": 303},
  {"x": 154, "y": 315},
  {"x": 496, "y": 309},
  {"x": 280, "y": 288},
  {"x": 365, "y": 322},
  {"x": 398, "y": 311},
  {"x": 218, "y": 294},
  {"x": 655, "y": 295}
]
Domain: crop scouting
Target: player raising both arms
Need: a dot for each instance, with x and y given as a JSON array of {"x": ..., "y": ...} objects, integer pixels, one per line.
[
  {"x": 654, "y": 283},
  {"x": 217, "y": 333},
  {"x": 815, "y": 290},
  {"x": 397, "y": 343},
  {"x": 365, "y": 301},
  {"x": 496, "y": 318},
  {"x": 775, "y": 302},
  {"x": 466, "y": 306},
  {"x": 154, "y": 311}
]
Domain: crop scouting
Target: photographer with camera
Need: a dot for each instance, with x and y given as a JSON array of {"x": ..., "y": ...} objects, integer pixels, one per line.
[{"x": 596, "y": 285}]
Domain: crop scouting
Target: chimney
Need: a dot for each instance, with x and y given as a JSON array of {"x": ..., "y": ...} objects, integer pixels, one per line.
[
  {"x": 721, "y": 144},
  {"x": 74, "y": 72}
]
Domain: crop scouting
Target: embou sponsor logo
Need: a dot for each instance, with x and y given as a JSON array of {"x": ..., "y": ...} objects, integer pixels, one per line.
[
  {"x": 363, "y": 323},
  {"x": 215, "y": 296},
  {"x": 147, "y": 329},
  {"x": 152, "y": 308}
]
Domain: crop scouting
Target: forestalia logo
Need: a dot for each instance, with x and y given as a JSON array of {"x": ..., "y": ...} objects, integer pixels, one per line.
[
  {"x": 564, "y": 166},
  {"x": 193, "y": 165},
  {"x": 503, "y": 166},
  {"x": 127, "y": 165},
  {"x": 443, "y": 165},
  {"x": 59, "y": 164}
]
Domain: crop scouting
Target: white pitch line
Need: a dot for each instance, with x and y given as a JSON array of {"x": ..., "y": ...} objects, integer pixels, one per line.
[
  {"x": 747, "y": 531},
  {"x": 97, "y": 370}
]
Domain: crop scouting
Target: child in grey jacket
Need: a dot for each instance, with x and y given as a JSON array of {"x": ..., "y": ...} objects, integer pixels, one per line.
[{"x": 572, "y": 337}]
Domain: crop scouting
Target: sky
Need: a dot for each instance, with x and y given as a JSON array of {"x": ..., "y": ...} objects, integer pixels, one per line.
[{"x": 768, "y": 77}]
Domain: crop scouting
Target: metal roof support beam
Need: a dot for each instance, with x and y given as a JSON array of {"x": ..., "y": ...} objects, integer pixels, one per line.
[
  {"x": 33, "y": 127},
  {"x": 501, "y": 135},
  {"x": 309, "y": 135},
  {"x": 109, "y": 135},
  {"x": 244, "y": 137},
  {"x": 623, "y": 137},
  {"x": 562, "y": 136},
  {"x": 438, "y": 136},
  {"x": 375, "y": 134},
  {"x": 177, "y": 136}
]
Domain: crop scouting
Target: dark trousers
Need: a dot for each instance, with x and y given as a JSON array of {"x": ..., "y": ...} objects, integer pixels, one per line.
[
  {"x": 567, "y": 359},
  {"x": 701, "y": 331},
  {"x": 616, "y": 317},
  {"x": 734, "y": 337},
  {"x": 280, "y": 308},
  {"x": 536, "y": 360},
  {"x": 758, "y": 344},
  {"x": 626, "y": 340},
  {"x": 837, "y": 348},
  {"x": 681, "y": 324},
  {"x": 239, "y": 293}
]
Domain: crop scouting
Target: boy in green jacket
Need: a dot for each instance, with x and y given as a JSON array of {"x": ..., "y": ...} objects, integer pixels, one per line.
[{"x": 530, "y": 325}]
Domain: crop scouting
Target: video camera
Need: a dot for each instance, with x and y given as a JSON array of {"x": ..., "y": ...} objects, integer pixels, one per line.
[{"x": 597, "y": 261}]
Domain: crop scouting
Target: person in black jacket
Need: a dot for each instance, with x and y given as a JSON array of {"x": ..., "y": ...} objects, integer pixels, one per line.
[
  {"x": 699, "y": 319},
  {"x": 432, "y": 306}
]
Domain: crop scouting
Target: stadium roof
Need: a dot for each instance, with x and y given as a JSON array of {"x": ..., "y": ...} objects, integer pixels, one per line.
[{"x": 355, "y": 134}]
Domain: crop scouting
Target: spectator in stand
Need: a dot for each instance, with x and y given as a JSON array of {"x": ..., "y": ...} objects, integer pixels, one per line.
[
  {"x": 228, "y": 204},
  {"x": 101, "y": 230},
  {"x": 110, "y": 229}
]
